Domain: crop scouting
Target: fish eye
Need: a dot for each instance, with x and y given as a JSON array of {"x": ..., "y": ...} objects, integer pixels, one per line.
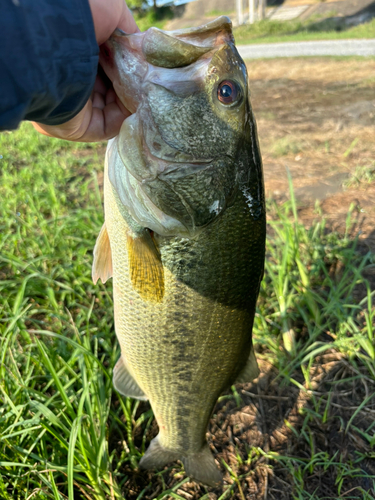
[{"x": 228, "y": 92}]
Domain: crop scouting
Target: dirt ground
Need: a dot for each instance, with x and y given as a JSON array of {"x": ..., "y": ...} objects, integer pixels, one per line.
[{"x": 316, "y": 117}]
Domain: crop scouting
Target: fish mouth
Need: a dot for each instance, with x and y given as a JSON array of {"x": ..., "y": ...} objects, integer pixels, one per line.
[
  {"x": 170, "y": 177},
  {"x": 129, "y": 63}
]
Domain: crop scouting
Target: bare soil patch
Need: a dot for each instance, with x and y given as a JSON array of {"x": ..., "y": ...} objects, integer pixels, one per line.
[{"x": 316, "y": 117}]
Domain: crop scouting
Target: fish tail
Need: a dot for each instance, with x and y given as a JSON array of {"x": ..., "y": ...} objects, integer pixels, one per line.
[
  {"x": 202, "y": 467},
  {"x": 157, "y": 456},
  {"x": 199, "y": 466}
]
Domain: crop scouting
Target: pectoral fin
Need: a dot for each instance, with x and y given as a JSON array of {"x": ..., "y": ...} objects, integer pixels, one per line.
[
  {"x": 250, "y": 371},
  {"x": 124, "y": 382},
  {"x": 102, "y": 264},
  {"x": 146, "y": 268}
]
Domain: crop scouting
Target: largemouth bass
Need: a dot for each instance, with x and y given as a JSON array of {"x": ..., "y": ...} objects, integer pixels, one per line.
[{"x": 184, "y": 232}]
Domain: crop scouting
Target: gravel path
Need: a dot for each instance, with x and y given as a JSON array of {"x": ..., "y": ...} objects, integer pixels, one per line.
[{"x": 362, "y": 47}]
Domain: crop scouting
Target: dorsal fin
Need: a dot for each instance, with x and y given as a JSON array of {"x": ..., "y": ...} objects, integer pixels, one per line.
[{"x": 102, "y": 264}]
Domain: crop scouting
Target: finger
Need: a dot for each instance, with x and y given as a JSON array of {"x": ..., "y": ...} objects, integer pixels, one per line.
[
  {"x": 100, "y": 84},
  {"x": 99, "y": 100},
  {"x": 110, "y": 96},
  {"x": 90, "y": 125},
  {"x": 105, "y": 123},
  {"x": 127, "y": 22},
  {"x": 109, "y": 15}
]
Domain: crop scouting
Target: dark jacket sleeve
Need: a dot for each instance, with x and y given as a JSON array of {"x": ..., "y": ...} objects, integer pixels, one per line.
[{"x": 48, "y": 60}]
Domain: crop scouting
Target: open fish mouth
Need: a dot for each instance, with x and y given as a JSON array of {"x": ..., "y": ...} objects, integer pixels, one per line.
[
  {"x": 141, "y": 79},
  {"x": 160, "y": 75}
]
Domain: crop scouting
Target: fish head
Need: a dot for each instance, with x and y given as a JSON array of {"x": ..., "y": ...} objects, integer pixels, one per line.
[{"x": 185, "y": 148}]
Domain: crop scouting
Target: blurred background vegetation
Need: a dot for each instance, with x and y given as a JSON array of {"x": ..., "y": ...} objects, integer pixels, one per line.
[{"x": 289, "y": 20}]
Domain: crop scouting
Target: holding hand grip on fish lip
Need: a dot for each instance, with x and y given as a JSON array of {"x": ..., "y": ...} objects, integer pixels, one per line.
[
  {"x": 102, "y": 116},
  {"x": 184, "y": 233}
]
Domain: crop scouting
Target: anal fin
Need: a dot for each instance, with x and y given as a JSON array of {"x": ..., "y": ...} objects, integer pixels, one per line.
[
  {"x": 146, "y": 268},
  {"x": 125, "y": 383},
  {"x": 102, "y": 264},
  {"x": 250, "y": 370}
]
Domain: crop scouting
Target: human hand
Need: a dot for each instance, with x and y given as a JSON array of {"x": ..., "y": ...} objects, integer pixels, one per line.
[{"x": 103, "y": 114}]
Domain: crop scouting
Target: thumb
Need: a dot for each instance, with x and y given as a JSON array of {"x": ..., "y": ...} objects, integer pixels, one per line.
[{"x": 108, "y": 15}]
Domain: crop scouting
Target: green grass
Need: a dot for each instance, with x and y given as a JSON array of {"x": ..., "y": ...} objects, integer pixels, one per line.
[
  {"x": 286, "y": 145},
  {"x": 363, "y": 174},
  {"x": 217, "y": 13},
  {"x": 269, "y": 31},
  {"x": 64, "y": 432}
]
